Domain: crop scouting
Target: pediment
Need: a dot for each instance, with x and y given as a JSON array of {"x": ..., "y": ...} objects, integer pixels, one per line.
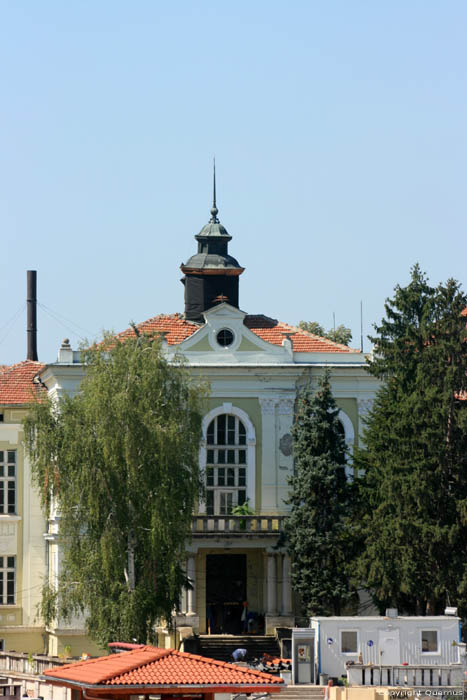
[{"x": 246, "y": 346}]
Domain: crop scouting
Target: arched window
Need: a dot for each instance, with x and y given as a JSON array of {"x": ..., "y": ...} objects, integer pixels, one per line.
[{"x": 226, "y": 464}]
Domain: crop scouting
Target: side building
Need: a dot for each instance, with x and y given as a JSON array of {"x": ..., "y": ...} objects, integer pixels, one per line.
[{"x": 22, "y": 525}]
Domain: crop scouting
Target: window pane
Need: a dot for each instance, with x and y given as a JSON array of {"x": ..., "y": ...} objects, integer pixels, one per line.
[
  {"x": 221, "y": 477},
  {"x": 242, "y": 456},
  {"x": 221, "y": 430},
  {"x": 241, "y": 434},
  {"x": 210, "y": 502},
  {"x": 230, "y": 477},
  {"x": 242, "y": 477},
  {"x": 2, "y": 499},
  {"x": 12, "y": 456},
  {"x": 241, "y": 497},
  {"x": 231, "y": 422},
  {"x": 210, "y": 457},
  {"x": 230, "y": 456},
  {"x": 210, "y": 435},
  {"x": 221, "y": 456},
  {"x": 1, "y": 455},
  {"x": 429, "y": 640},
  {"x": 11, "y": 497},
  {"x": 210, "y": 477},
  {"x": 2, "y": 470},
  {"x": 10, "y": 562},
  {"x": 11, "y": 470},
  {"x": 349, "y": 642}
]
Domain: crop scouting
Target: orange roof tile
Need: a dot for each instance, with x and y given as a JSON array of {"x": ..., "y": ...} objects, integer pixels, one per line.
[
  {"x": 157, "y": 668},
  {"x": 17, "y": 384},
  {"x": 273, "y": 331},
  {"x": 177, "y": 329}
]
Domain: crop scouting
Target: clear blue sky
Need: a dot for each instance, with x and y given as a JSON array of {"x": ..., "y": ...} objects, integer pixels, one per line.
[{"x": 339, "y": 129}]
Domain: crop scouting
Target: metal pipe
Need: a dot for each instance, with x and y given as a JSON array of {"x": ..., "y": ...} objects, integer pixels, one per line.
[{"x": 31, "y": 301}]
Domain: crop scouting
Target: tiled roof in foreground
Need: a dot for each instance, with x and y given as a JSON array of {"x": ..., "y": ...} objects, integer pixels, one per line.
[
  {"x": 17, "y": 384},
  {"x": 176, "y": 329},
  {"x": 150, "y": 666}
]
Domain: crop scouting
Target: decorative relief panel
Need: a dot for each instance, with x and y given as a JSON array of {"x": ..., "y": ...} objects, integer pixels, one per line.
[
  {"x": 286, "y": 407},
  {"x": 7, "y": 538},
  {"x": 268, "y": 406},
  {"x": 286, "y": 444}
]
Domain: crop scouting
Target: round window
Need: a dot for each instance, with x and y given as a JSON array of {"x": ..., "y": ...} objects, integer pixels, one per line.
[{"x": 225, "y": 337}]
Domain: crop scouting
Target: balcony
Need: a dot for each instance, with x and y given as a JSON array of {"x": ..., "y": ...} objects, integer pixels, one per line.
[{"x": 237, "y": 525}]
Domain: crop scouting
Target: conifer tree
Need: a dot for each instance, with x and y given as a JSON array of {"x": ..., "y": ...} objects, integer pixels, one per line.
[
  {"x": 120, "y": 460},
  {"x": 316, "y": 530},
  {"x": 414, "y": 488}
]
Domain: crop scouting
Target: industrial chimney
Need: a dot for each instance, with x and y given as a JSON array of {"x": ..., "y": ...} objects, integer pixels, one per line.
[{"x": 31, "y": 301}]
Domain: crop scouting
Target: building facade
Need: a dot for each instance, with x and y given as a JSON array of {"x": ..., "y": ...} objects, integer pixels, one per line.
[{"x": 255, "y": 366}]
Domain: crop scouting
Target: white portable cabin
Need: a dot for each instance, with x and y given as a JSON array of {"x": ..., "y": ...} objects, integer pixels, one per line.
[{"x": 390, "y": 640}]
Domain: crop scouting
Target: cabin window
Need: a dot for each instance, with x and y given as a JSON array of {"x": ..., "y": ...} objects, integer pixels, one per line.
[
  {"x": 349, "y": 642},
  {"x": 430, "y": 642}
]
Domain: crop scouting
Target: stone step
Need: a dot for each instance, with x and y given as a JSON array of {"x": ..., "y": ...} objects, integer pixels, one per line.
[{"x": 220, "y": 647}]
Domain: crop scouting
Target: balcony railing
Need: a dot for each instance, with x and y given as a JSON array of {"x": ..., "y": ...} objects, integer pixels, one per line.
[
  {"x": 237, "y": 525},
  {"x": 417, "y": 676},
  {"x": 13, "y": 662}
]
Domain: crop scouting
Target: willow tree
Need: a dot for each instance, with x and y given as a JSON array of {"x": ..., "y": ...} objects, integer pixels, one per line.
[{"x": 120, "y": 460}]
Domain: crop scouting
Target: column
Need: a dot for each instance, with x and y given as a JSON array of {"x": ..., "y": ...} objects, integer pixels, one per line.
[
  {"x": 191, "y": 593},
  {"x": 271, "y": 586},
  {"x": 269, "y": 455},
  {"x": 286, "y": 587}
]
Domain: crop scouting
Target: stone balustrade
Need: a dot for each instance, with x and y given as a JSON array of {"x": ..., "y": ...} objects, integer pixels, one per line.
[{"x": 237, "y": 525}]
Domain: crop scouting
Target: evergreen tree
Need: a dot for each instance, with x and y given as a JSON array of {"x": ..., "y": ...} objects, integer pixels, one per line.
[
  {"x": 414, "y": 488},
  {"x": 316, "y": 531},
  {"x": 120, "y": 460}
]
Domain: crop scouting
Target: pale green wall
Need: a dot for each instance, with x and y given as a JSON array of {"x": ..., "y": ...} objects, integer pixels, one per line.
[
  {"x": 201, "y": 346},
  {"x": 247, "y": 345}
]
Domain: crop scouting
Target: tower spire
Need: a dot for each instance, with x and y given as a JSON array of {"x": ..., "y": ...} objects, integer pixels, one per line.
[{"x": 214, "y": 210}]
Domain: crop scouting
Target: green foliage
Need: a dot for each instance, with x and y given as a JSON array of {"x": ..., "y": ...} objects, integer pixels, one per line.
[
  {"x": 316, "y": 529},
  {"x": 414, "y": 489},
  {"x": 341, "y": 334},
  {"x": 243, "y": 509},
  {"x": 121, "y": 461}
]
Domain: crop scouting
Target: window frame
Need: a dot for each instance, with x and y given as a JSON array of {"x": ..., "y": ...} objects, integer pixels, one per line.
[
  {"x": 438, "y": 646},
  {"x": 7, "y": 480},
  {"x": 250, "y": 475},
  {"x": 5, "y": 579},
  {"x": 349, "y": 653}
]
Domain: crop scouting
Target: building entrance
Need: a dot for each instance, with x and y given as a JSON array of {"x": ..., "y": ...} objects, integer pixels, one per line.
[{"x": 225, "y": 593}]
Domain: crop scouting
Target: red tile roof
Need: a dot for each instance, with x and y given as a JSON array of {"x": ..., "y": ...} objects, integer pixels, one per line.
[
  {"x": 273, "y": 331},
  {"x": 177, "y": 329},
  {"x": 157, "y": 668},
  {"x": 17, "y": 384}
]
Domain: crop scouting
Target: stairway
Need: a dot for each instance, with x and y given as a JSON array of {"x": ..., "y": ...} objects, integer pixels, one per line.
[
  {"x": 302, "y": 692},
  {"x": 221, "y": 646}
]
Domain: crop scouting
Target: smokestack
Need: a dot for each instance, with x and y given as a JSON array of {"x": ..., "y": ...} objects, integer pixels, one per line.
[{"x": 31, "y": 302}]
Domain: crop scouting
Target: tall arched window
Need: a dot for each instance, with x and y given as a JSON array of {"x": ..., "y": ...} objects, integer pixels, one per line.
[{"x": 226, "y": 464}]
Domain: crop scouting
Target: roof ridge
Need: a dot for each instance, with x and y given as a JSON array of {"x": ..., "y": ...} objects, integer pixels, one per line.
[
  {"x": 108, "y": 675},
  {"x": 7, "y": 368}
]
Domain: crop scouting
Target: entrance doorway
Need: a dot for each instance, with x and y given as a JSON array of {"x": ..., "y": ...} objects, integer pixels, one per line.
[
  {"x": 389, "y": 647},
  {"x": 225, "y": 593}
]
